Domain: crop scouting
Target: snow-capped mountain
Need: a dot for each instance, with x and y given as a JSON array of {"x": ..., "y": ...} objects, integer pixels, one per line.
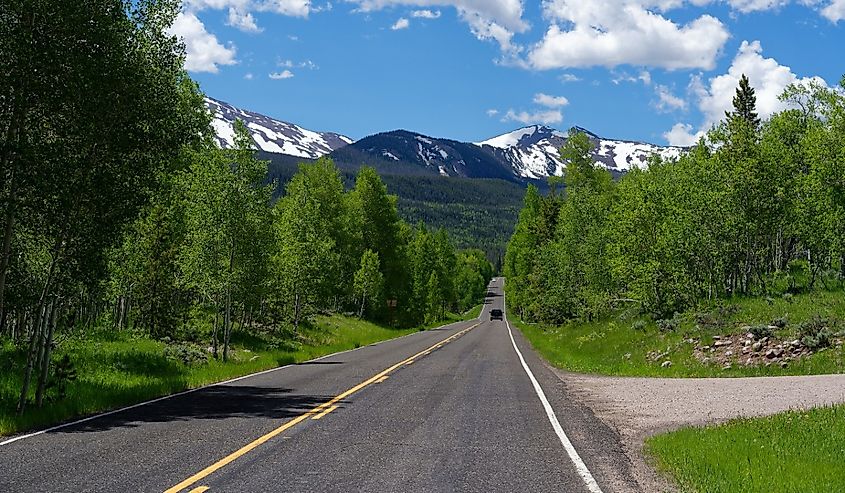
[
  {"x": 272, "y": 135},
  {"x": 534, "y": 152},
  {"x": 529, "y": 153},
  {"x": 404, "y": 150}
]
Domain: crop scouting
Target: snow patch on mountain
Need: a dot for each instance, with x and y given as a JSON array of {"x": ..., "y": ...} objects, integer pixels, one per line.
[
  {"x": 534, "y": 152},
  {"x": 271, "y": 135}
]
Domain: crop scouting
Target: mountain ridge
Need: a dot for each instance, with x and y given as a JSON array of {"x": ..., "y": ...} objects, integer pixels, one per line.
[{"x": 525, "y": 154}]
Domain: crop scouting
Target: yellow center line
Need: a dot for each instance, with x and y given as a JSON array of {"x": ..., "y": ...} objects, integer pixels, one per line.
[
  {"x": 382, "y": 379},
  {"x": 327, "y": 411},
  {"x": 199, "y": 489},
  {"x": 323, "y": 408}
]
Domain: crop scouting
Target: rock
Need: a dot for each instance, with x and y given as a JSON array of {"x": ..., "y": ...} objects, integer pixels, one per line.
[
  {"x": 209, "y": 349},
  {"x": 666, "y": 364},
  {"x": 254, "y": 358},
  {"x": 716, "y": 338},
  {"x": 627, "y": 356},
  {"x": 795, "y": 343},
  {"x": 747, "y": 342},
  {"x": 726, "y": 367},
  {"x": 757, "y": 346},
  {"x": 773, "y": 327},
  {"x": 729, "y": 353},
  {"x": 746, "y": 350},
  {"x": 774, "y": 353},
  {"x": 764, "y": 340},
  {"x": 722, "y": 343},
  {"x": 705, "y": 348},
  {"x": 784, "y": 364},
  {"x": 748, "y": 362}
]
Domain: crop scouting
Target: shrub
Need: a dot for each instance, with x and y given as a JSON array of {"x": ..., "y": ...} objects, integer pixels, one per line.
[
  {"x": 669, "y": 324},
  {"x": 816, "y": 333},
  {"x": 63, "y": 373},
  {"x": 761, "y": 331},
  {"x": 780, "y": 322},
  {"x": 187, "y": 354},
  {"x": 639, "y": 325},
  {"x": 716, "y": 319},
  {"x": 788, "y": 297}
]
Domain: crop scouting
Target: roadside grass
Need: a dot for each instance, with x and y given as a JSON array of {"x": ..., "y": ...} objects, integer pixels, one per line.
[
  {"x": 794, "y": 451},
  {"x": 120, "y": 368},
  {"x": 621, "y": 345}
]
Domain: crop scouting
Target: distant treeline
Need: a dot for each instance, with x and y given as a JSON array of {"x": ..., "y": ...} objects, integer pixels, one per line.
[
  {"x": 118, "y": 210},
  {"x": 477, "y": 212},
  {"x": 755, "y": 204}
]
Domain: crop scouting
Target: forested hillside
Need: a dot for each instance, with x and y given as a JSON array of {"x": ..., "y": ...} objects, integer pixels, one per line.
[
  {"x": 756, "y": 208},
  {"x": 478, "y": 213},
  {"x": 121, "y": 216}
]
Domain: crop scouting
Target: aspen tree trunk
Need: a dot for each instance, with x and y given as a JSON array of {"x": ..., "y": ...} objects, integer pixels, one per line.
[
  {"x": 49, "y": 329},
  {"x": 227, "y": 328},
  {"x": 214, "y": 329}
]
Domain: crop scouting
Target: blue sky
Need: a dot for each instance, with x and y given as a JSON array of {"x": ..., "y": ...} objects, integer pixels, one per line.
[{"x": 655, "y": 70}]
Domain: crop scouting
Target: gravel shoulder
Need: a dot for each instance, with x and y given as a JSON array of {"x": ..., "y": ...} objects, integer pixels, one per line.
[{"x": 640, "y": 407}]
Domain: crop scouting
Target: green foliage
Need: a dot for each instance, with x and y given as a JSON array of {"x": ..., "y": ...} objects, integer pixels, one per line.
[
  {"x": 756, "y": 208},
  {"x": 369, "y": 280},
  {"x": 816, "y": 332},
  {"x": 615, "y": 345}
]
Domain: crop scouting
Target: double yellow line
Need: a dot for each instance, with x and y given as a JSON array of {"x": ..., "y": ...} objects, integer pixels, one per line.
[{"x": 315, "y": 413}]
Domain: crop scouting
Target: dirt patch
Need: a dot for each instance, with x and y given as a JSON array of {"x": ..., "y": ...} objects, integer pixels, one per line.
[{"x": 640, "y": 407}]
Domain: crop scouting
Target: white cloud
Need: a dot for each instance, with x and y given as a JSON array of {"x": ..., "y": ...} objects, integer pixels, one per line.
[
  {"x": 284, "y": 74},
  {"x": 203, "y": 52},
  {"x": 667, "y": 101},
  {"x": 569, "y": 78},
  {"x": 293, "y": 8},
  {"x": 426, "y": 14},
  {"x": 768, "y": 78},
  {"x": 488, "y": 19},
  {"x": 681, "y": 134},
  {"x": 644, "y": 77},
  {"x": 835, "y": 11},
  {"x": 550, "y": 101},
  {"x": 492, "y": 112},
  {"x": 242, "y": 20},
  {"x": 402, "y": 23},
  {"x": 605, "y": 33},
  {"x": 249, "y": 76},
  {"x": 544, "y": 117}
]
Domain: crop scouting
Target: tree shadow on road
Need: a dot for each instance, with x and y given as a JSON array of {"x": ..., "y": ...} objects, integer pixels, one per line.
[{"x": 216, "y": 402}]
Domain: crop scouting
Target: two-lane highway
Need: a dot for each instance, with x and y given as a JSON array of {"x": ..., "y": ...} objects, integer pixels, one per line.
[{"x": 467, "y": 407}]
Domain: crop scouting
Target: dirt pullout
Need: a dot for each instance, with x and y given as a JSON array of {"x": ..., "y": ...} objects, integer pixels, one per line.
[{"x": 641, "y": 407}]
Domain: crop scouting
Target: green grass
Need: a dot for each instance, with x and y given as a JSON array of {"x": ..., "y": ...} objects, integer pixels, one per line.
[
  {"x": 790, "y": 452},
  {"x": 121, "y": 368},
  {"x": 614, "y": 347}
]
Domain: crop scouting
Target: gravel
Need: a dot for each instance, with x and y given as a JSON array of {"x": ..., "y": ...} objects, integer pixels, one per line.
[{"x": 640, "y": 407}]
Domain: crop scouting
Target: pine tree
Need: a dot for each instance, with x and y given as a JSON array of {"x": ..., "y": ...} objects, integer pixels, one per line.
[{"x": 745, "y": 104}]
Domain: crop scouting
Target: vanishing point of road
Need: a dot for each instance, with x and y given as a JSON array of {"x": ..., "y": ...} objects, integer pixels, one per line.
[{"x": 466, "y": 407}]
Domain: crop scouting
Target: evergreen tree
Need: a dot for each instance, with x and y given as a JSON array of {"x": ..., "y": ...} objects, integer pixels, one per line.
[{"x": 745, "y": 104}]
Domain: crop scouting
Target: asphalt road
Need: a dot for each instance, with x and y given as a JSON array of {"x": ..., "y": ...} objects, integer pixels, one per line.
[{"x": 451, "y": 409}]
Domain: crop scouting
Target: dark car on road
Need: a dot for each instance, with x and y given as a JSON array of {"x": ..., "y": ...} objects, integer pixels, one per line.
[{"x": 496, "y": 314}]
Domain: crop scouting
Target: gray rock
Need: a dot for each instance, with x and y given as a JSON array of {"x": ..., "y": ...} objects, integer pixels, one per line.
[
  {"x": 666, "y": 364},
  {"x": 757, "y": 346}
]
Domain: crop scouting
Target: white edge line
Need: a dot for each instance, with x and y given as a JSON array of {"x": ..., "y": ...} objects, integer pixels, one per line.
[
  {"x": 580, "y": 467},
  {"x": 177, "y": 394}
]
